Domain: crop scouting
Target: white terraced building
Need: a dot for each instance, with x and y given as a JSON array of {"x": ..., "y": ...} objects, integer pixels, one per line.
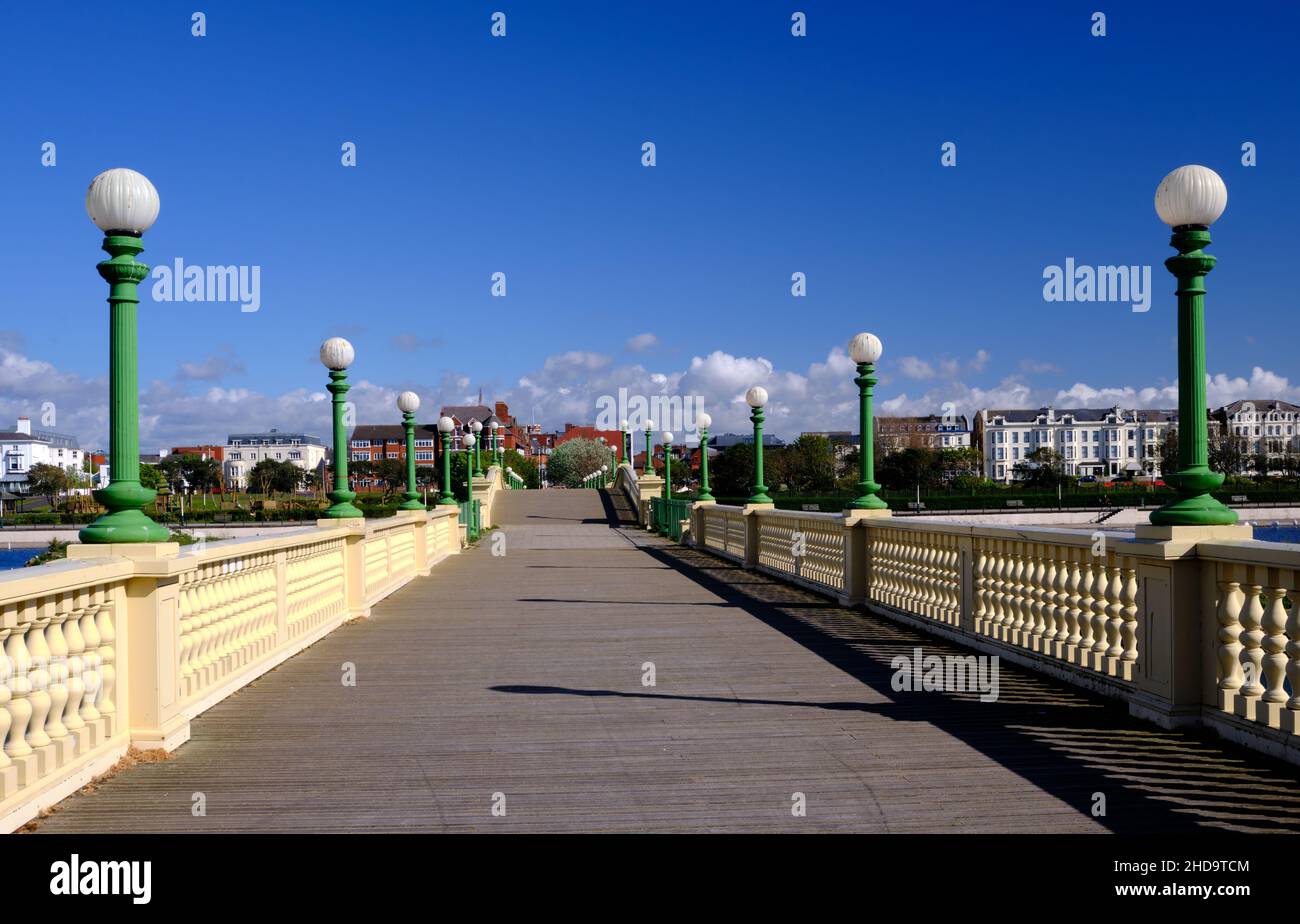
[
  {"x": 1101, "y": 442},
  {"x": 22, "y": 448},
  {"x": 244, "y": 450},
  {"x": 1268, "y": 427}
]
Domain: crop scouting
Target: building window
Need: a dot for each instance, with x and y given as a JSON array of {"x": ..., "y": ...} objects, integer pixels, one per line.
[
  {"x": 424, "y": 457},
  {"x": 360, "y": 457},
  {"x": 361, "y": 444}
]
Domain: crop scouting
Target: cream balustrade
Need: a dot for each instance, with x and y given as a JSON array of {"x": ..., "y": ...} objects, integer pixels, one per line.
[
  {"x": 1253, "y": 680},
  {"x": 123, "y": 645},
  {"x": 807, "y": 547},
  {"x": 1191, "y": 630}
]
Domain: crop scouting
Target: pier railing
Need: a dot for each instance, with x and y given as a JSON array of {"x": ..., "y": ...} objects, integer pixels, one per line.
[
  {"x": 1187, "y": 632},
  {"x": 122, "y": 646}
]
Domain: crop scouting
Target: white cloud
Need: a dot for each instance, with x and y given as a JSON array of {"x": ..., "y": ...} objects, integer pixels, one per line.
[
  {"x": 915, "y": 368},
  {"x": 640, "y": 343},
  {"x": 1037, "y": 367}
]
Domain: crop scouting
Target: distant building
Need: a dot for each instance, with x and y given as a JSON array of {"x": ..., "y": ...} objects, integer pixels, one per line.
[
  {"x": 21, "y": 448},
  {"x": 724, "y": 440},
  {"x": 1101, "y": 442},
  {"x": 245, "y": 450},
  {"x": 1266, "y": 428},
  {"x": 613, "y": 438},
  {"x": 929, "y": 432},
  {"x": 203, "y": 452}
]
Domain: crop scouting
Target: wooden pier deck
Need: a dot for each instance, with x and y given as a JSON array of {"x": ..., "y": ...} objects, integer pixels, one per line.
[{"x": 520, "y": 676}]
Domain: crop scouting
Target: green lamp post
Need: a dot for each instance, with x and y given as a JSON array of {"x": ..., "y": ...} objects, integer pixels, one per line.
[
  {"x": 865, "y": 350},
  {"x": 496, "y": 443},
  {"x": 756, "y": 397},
  {"x": 1189, "y": 200},
  {"x": 445, "y": 426},
  {"x": 624, "y": 446},
  {"x": 604, "y": 476},
  {"x": 668, "y": 464},
  {"x": 408, "y": 402},
  {"x": 477, "y": 428},
  {"x": 470, "y": 442},
  {"x": 336, "y": 354},
  {"x": 124, "y": 205},
  {"x": 649, "y": 454},
  {"x": 702, "y": 423}
]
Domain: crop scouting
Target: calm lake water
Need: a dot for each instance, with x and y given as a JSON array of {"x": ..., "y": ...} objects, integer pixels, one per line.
[{"x": 15, "y": 558}]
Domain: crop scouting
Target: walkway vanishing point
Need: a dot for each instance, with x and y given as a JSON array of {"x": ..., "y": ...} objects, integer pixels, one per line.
[{"x": 521, "y": 675}]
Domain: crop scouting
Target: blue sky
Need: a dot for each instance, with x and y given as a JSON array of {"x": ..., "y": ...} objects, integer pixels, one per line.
[{"x": 522, "y": 155}]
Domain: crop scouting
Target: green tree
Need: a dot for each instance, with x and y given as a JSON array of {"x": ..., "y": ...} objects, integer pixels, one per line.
[
  {"x": 49, "y": 481},
  {"x": 731, "y": 473},
  {"x": 152, "y": 477},
  {"x": 391, "y": 473},
  {"x": 573, "y": 460},
  {"x": 1042, "y": 468},
  {"x": 907, "y": 468},
  {"x": 808, "y": 465},
  {"x": 524, "y": 467},
  {"x": 271, "y": 476}
]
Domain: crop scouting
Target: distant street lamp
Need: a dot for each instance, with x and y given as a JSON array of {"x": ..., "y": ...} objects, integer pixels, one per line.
[
  {"x": 756, "y": 397},
  {"x": 1189, "y": 200},
  {"x": 445, "y": 426},
  {"x": 604, "y": 475},
  {"x": 336, "y": 354},
  {"x": 649, "y": 465},
  {"x": 469, "y": 484},
  {"x": 496, "y": 443},
  {"x": 865, "y": 350},
  {"x": 124, "y": 205},
  {"x": 478, "y": 462},
  {"x": 625, "y": 446},
  {"x": 702, "y": 423},
  {"x": 408, "y": 402},
  {"x": 668, "y": 465}
]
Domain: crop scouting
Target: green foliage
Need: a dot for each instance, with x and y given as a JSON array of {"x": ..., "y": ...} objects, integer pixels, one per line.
[
  {"x": 574, "y": 460},
  {"x": 731, "y": 474},
  {"x": 49, "y": 481},
  {"x": 271, "y": 476},
  {"x": 524, "y": 467},
  {"x": 1042, "y": 468},
  {"x": 191, "y": 472},
  {"x": 151, "y": 477},
  {"x": 56, "y": 550}
]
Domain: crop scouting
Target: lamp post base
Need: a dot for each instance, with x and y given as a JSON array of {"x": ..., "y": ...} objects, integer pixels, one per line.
[
  {"x": 342, "y": 508},
  {"x": 1197, "y": 510},
  {"x": 122, "y": 526}
]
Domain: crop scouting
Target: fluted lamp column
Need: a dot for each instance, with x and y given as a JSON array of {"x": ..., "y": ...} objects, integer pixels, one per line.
[
  {"x": 336, "y": 355},
  {"x": 408, "y": 402},
  {"x": 124, "y": 205},
  {"x": 1189, "y": 200},
  {"x": 756, "y": 398},
  {"x": 865, "y": 350},
  {"x": 702, "y": 423},
  {"x": 445, "y": 426}
]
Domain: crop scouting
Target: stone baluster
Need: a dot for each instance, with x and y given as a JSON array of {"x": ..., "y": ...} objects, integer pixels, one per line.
[
  {"x": 76, "y": 654},
  {"x": 6, "y": 696},
  {"x": 1050, "y": 575},
  {"x": 1114, "y": 612},
  {"x": 1252, "y": 635},
  {"x": 20, "y": 688},
  {"x": 39, "y": 675},
  {"x": 1072, "y": 614},
  {"x": 1062, "y": 588},
  {"x": 980, "y": 603},
  {"x": 1016, "y": 590},
  {"x": 1274, "y": 645},
  {"x": 98, "y": 629},
  {"x": 1129, "y": 620},
  {"x": 1099, "y": 616},
  {"x": 56, "y": 648},
  {"x": 1087, "y": 580},
  {"x": 1293, "y": 649},
  {"x": 1231, "y": 601}
]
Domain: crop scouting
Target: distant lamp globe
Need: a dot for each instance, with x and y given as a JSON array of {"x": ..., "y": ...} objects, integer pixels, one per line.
[
  {"x": 446, "y": 425},
  {"x": 337, "y": 354},
  {"x": 121, "y": 201},
  {"x": 703, "y": 421},
  {"x": 1191, "y": 196},
  {"x": 668, "y": 438},
  {"x": 475, "y": 426},
  {"x": 865, "y": 348},
  {"x": 469, "y": 441},
  {"x": 756, "y": 396},
  {"x": 408, "y": 402}
]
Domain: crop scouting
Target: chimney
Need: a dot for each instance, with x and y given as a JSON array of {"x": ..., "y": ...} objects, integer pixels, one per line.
[{"x": 25, "y": 426}]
